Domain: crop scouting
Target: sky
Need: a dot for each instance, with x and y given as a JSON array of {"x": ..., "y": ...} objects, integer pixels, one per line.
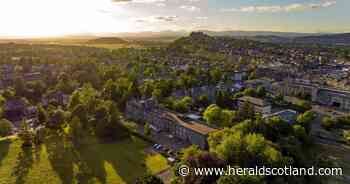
[{"x": 35, "y": 18}]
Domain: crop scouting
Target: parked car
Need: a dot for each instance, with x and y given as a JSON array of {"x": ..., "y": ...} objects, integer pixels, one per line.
[{"x": 156, "y": 145}]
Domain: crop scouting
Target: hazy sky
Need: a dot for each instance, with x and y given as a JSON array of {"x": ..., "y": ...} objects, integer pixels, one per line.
[{"x": 57, "y": 17}]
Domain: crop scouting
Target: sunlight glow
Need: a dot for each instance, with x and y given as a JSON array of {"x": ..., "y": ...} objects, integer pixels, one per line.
[{"x": 59, "y": 17}]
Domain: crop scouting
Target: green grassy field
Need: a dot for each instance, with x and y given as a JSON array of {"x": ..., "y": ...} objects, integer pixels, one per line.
[{"x": 56, "y": 162}]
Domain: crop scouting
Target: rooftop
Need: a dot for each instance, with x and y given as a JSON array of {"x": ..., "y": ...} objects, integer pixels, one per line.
[
  {"x": 196, "y": 127},
  {"x": 253, "y": 100}
]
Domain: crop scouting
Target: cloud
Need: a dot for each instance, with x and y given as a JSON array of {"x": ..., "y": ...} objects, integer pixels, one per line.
[
  {"x": 285, "y": 8},
  {"x": 193, "y": 1},
  {"x": 190, "y": 8},
  {"x": 153, "y": 19},
  {"x": 138, "y": 1},
  {"x": 161, "y": 4},
  {"x": 202, "y": 18}
]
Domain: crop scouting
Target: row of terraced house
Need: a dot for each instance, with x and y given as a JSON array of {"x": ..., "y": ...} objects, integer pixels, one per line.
[{"x": 164, "y": 120}]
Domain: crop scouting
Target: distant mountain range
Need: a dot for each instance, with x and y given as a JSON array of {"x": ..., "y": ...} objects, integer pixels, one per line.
[
  {"x": 264, "y": 36},
  {"x": 169, "y": 36},
  {"x": 107, "y": 40}
]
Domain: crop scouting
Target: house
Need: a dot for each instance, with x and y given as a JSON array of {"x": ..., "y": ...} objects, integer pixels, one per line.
[
  {"x": 260, "y": 105},
  {"x": 193, "y": 132},
  {"x": 238, "y": 75},
  {"x": 161, "y": 119},
  {"x": 58, "y": 98},
  {"x": 335, "y": 98},
  {"x": 31, "y": 112},
  {"x": 289, "y": 116},
  {"x": 33, "y": 76},
  {"x": 14, "y": 110},
  {"x": 2, "y": 85},
  {"x": 266, "y": 83}
]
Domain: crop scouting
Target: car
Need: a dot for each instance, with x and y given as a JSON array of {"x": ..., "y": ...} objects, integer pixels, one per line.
[
  {"x": 159, "y": 147},
  {"x": 154, "y": 146}
]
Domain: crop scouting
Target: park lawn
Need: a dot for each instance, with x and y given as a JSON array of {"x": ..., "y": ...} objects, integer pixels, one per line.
[{"x": 57, "y": 162}]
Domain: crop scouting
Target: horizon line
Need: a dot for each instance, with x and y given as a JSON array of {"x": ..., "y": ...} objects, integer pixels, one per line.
[{"x": 105, "y": 34}]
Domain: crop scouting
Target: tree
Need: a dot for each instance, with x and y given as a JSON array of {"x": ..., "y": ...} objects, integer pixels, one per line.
[
  {"x": 212, "y": 114},
  {"x": 202, "y": 101},
  {"x": 249, "y": 92},
  {"x": 76, "y": 131},
  {"x": 149, "y": 179},
  {"x": 147, "y": 129},
  {"x": 2, "y": 102},
  {"x": 203, "y": 160},
  {"x": 246, "y": 111},
  {"x": 217, "y": 116},
  {"x": 39, "y": 135},
  {"x": 304, "y": 105},
  {"x": 183, "y": 105},
  {"x": 9, "y": 93},
  {"x": 230, "y": 147},
  {"x": 261, "y": 92},
  {"x": 19, "y": 85},
  {"x": 306, "y": 119},
  {"x": 190, "y": 151},
  {"x": 244, "y": 179},
  {"x": 56, "y": 119},
  {"x": 224, "y": 99},
  {"x": 277, "y": 128},
  {"x": 245, "y": 150},
  {"x": 328, "y": 123},
  {"x": 5, "y": 128},
  {"x": 26, "y": 135},
  {"x": 301, "y": 134},
  {"x": 343, "y": 121},
  {"x": 108, "y": 125},
  {"x": 42, "y": 115},
  {"x": 346, "y": 135},
  {"x": 252, "y": 75}
]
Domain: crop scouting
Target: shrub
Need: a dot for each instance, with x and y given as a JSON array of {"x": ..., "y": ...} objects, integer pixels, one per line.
[
  {"x": 5, "y": 128},
  {"x": 328, "y": 123},
  {"x": 149, "y": 179}
]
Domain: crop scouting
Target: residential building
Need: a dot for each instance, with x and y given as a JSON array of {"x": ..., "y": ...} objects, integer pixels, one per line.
[
  {"x": 335, "y": 98},
  {"x": 162, "y": 119},
  {"x": 14, "y": 110},
  {"x": 260, "y": 105}
]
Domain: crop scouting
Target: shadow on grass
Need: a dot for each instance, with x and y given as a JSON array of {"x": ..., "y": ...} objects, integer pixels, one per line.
[
  {"x": 24, "y": 164},
  {"x": 61, "y": 157},
  {"x": 90, "y": 164},
  {"x": 126, "y": 156},
  {"x": 127, "y": 159},
  {"x": 4, "y": 149}
]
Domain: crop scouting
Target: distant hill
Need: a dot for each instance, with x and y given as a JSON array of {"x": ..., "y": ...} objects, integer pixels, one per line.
[
  {"x": 107, "y": 40},
  {"x": 326, "y": 39},
  {"x": 334, "y": 39},
  {"x": 258, "y": 34}
]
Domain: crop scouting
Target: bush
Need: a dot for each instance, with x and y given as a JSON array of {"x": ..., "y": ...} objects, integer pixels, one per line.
[
  {"x": 26, "y": 135},
  {"x": 304, "y": 106},
  {"x": 328, "y": 123},
  {"x": 343, "y": 121},
  {"x": 5, "y": 128},
  {"x": 346, "y": 135},
  {"x": 149, "y": 179}
]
